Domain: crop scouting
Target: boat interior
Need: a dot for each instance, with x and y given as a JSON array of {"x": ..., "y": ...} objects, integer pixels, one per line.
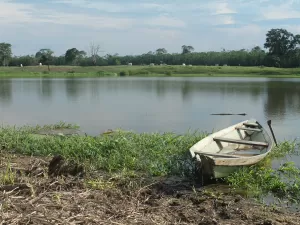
[{"x": 246, "y": 139}]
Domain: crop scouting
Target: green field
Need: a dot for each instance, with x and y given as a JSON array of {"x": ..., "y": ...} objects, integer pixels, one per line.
[{"x": 148, "y": 71}]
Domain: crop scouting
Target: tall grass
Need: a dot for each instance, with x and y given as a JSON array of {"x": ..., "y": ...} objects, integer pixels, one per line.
[
  {"x": 154, "y": 154},
  {"x": 261, "y": 179}
]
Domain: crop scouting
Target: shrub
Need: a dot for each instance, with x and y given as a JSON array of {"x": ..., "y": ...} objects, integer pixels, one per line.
[
  {"x": 168, "y": 73},
  {"x": 124, "y": 73}
]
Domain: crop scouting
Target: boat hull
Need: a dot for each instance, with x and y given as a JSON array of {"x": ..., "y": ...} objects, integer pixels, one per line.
[{"x": 212, "y": 164}]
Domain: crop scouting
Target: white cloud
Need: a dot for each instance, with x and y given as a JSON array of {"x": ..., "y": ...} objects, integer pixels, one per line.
[
  {"x": 281, "y": 11},
  {"x": 96, "y": 22},
  {"x": 165, "y": 21},
  {"x": 223, "y": 8},
  {"x": 224, "y": 20},
  {"x": 17, "y": 13},
  {"x": 215, "y": 20},
  {"x": 11, "y": 12},
  {"x": 247, "y": 36},
  {"x": 103, "y": 6},
  {"x": 161, "y": 33}
]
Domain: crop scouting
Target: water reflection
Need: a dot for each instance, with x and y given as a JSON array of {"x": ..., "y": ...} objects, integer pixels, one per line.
[
  {"x": 46, "y": 89},
  {"x": 73, "y": 88},
  {"x": 5, "y": 92},
  {"x": 149, "y": 104},
  {"x": 282, "y": 99}
]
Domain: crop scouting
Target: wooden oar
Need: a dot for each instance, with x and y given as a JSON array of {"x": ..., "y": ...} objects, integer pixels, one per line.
[
  {"x": 269, "y": 124},
  {"x": 228, "y": 114}
]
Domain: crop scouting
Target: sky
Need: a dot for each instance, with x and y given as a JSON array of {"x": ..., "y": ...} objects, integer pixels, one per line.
[{"x": 131, "y": 27}]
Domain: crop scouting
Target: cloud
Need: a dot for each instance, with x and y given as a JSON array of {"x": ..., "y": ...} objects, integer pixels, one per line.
[
  {"x": 138, "y": 26},
  {"x": 224, "y": 20},
  {"x": 102, "y": 6},
  {"x": 223, "y": 8},
  {"x": 247, "y": 36},
  {"x": 11, "y": 12},
  {"x": 96, "y": 22},
  {"x": 165, "y": 21},
  {"x": 280, "y": 12},
  {"x": 17, "y": 13}
]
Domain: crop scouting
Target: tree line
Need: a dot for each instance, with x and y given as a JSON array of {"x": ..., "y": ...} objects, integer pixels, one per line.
[{"x": 281, "y": 49}]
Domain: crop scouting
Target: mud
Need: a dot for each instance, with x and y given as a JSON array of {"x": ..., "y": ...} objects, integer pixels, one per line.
[{"x": 35, "y": 197}]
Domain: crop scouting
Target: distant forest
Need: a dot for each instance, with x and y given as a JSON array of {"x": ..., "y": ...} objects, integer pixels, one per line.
[{"x": 282, "y": 50}]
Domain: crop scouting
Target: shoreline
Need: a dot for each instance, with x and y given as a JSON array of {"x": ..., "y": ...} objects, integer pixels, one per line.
[
  {"x": 147, "y": 71},
  {"x": 124, "y": 177},
  {"x": 40, "y": 197},
  {"x": 59, "y": 75}
]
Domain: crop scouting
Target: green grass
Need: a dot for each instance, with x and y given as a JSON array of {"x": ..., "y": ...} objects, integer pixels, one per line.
[
  {"x": 261, "y": 179},
  {"x": 153, "y": 154},
  {"x": 146, "y": 71}
]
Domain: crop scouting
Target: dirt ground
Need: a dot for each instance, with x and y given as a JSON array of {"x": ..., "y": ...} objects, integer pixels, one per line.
[{"x": 38, "y": 196}]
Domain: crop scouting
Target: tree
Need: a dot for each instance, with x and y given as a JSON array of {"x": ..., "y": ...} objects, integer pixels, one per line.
[
  {"x": 187, "y": 49},
  {"x": 5, "y": 53},
  {"x": 94, "y": 50},
  {"x": 161, "y": 51},
  {"x": 73, "y": 54},
  {"x": 280, "y": 42},
  {"x": 44, "y": 56}
]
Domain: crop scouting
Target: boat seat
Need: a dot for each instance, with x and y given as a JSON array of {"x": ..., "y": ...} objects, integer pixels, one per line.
[
  {"x": 251, "y": 124},
  {"x": 248, "y": 129},
  {"x": 244, "y": 142},
  {"x": 245, "y": 155}
]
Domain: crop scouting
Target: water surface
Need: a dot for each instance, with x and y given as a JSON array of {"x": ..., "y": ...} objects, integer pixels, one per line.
[{"x": 152, "y": 104}]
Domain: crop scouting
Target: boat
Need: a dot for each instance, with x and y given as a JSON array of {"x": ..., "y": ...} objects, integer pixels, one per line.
[{"x": 226, "y": 151}]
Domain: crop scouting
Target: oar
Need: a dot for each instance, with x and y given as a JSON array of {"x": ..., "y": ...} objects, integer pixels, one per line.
[
  {"x": 228, "y": 114},
  {"x": 269, "y": 124}
]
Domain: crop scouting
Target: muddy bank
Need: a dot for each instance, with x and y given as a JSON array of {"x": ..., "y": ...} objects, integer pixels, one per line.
[{"x": 32, "y": 195}]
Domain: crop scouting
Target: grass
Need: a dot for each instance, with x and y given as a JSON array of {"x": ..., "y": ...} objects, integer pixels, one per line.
[
  {"x": 260, "y": 180},
  {"x": 126, "y": 155},
  {"x": 7, "y": 176},
  {"x": 146, "y": 71},
  {"x": 154, "y": 154}
]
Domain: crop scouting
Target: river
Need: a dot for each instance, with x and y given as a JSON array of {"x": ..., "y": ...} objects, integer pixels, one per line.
[{"x": 152, "y": 104}]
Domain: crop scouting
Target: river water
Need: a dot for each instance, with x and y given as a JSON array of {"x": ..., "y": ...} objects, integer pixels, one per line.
[{"x": 152, "y": 104}]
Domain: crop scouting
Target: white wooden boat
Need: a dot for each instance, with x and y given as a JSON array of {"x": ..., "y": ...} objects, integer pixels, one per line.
[{"x": 227, "y": 150}]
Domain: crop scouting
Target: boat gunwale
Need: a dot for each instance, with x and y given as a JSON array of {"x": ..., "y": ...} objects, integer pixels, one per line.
[{"x": 232, "y": 128}]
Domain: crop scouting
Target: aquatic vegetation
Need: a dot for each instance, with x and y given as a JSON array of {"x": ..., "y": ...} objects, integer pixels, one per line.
[{"x": 261, "y": 179}]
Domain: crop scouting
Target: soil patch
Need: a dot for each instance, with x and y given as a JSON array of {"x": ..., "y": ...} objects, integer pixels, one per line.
[{"x": 34, "y": 197}]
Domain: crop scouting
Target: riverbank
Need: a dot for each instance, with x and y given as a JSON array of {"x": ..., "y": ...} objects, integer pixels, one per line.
[
  {"x": 39, "y": 198},
  {"x": 55, "y": 174},
  {"x": 148, "y": 71}
]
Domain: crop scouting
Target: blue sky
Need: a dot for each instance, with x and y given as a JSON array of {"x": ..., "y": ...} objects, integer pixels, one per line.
[{"x": 139, "y": 26}]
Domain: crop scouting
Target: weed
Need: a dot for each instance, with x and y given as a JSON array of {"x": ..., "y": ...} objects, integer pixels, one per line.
[
  {"x": 8, "y": 176},
  {"x": 100, "y": 184},
  {"x": 155, "y": 154},
  {"x": 259, "y": 180},
  {"x": 57, "y": 198}
]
